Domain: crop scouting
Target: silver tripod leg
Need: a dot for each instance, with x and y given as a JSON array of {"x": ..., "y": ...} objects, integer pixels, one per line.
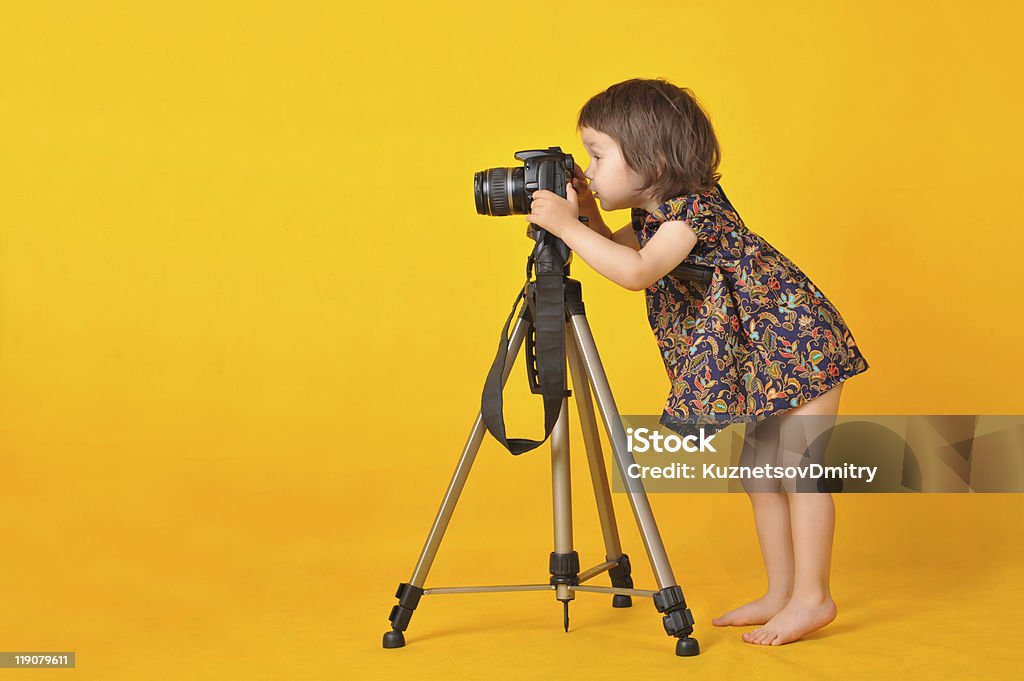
[
  {"x": 592, "y": 443},
  {"x": 565, "y": 564},
  {"x": 669, "y": 600},
  {"x": 409, "y": 594},
  {"x": 616, "y": 562},
  {"x": 458, "y": 481},
  {"x": 561, "y": 487},
  {"x": 638, "y": 501}
]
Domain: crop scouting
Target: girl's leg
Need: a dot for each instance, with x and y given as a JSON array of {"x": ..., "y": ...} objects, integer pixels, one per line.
[
  {"x": 771, "y": 516},
  {"x": 812, "y": 522}
]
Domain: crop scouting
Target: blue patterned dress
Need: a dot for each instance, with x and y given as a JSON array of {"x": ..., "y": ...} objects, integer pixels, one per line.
[{"x": 760, "y": 339}]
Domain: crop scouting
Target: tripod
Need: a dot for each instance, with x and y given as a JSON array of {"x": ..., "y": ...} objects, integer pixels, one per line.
[{"x": 587, "y": 374}]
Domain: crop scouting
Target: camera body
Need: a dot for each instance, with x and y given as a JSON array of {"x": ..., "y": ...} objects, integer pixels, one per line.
[{"x": 509, "y": 191}]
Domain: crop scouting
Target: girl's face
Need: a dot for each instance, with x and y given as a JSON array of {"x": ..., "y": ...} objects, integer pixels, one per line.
[{"x": 614, "y": 183}]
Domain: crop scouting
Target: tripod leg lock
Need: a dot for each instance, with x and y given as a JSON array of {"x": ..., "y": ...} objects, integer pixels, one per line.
[
  {"x": 678, "y": 620},
  {"x": 408, "y": 598},
  {"x": 564, "y": 568},
  {"x": 620, "y": 574}
]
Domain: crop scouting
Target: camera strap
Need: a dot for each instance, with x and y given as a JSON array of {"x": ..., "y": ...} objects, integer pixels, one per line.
[{"x": 545, "y": 356}]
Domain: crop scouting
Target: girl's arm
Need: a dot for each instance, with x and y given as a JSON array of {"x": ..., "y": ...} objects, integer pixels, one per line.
[
  {"x": 627, "y": 237},
  {"x": 629, "y": 268},
  {"x": 624, "y": 235}
]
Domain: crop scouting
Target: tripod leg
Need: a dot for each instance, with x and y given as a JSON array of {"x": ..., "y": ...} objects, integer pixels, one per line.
[
  {"x": 620, "y": 575},
  {"x": 409, "y": 593},
  {"x": 564, "y": 563},
  {"x": 669, "y": 599}
]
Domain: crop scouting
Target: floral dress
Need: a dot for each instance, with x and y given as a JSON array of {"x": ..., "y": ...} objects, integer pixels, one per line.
[{"x": 760, "y": 339}]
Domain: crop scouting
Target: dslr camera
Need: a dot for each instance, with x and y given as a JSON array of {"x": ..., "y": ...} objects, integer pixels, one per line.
[{"x": 509, "y": 191}]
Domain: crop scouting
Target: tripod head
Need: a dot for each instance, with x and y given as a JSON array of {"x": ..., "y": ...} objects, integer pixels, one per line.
[{"x": 550, "y": 254}]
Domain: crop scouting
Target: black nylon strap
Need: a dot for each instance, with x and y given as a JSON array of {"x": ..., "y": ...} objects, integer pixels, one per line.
[{"x": 545, "y": 314}]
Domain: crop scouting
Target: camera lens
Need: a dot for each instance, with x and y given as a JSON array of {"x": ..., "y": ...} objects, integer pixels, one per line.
[{"x": 500, "y": 191}]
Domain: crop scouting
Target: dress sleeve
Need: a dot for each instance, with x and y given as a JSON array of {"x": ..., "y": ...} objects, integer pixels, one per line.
[{"x": 704, "y": 222}]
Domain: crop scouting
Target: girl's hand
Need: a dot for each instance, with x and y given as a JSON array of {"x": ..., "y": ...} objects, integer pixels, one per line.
[
  {"x": 552, "y": 212},
  {"x": 587, "y": 202}
]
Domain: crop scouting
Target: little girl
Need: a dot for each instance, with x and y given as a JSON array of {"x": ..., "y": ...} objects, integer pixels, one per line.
[{"x": 760, "y": 344}]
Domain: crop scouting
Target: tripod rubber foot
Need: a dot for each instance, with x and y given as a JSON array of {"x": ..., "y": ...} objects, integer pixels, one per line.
[
  {"x": 394, "y": 639},
  {"x": 687, "y": 647},
  {"x": 622, "y": 601}
]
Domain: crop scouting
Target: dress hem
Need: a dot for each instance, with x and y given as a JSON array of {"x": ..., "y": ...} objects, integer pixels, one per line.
[{"x": 688, "y": 426}]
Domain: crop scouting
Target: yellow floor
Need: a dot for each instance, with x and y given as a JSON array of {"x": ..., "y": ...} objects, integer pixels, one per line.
[{"x": 221, "y": 570}]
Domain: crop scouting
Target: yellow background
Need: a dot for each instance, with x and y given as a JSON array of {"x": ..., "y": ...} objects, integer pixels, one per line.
[{"x": 247, "y": 305}]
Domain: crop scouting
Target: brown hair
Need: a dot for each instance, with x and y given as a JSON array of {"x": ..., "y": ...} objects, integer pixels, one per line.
[{"x": 664, "y": 133}]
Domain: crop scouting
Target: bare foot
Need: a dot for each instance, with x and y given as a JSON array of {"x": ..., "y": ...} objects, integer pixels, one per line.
[
  {"x": 754, "y": 612},
  {"x": 792, "y": 622}
]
